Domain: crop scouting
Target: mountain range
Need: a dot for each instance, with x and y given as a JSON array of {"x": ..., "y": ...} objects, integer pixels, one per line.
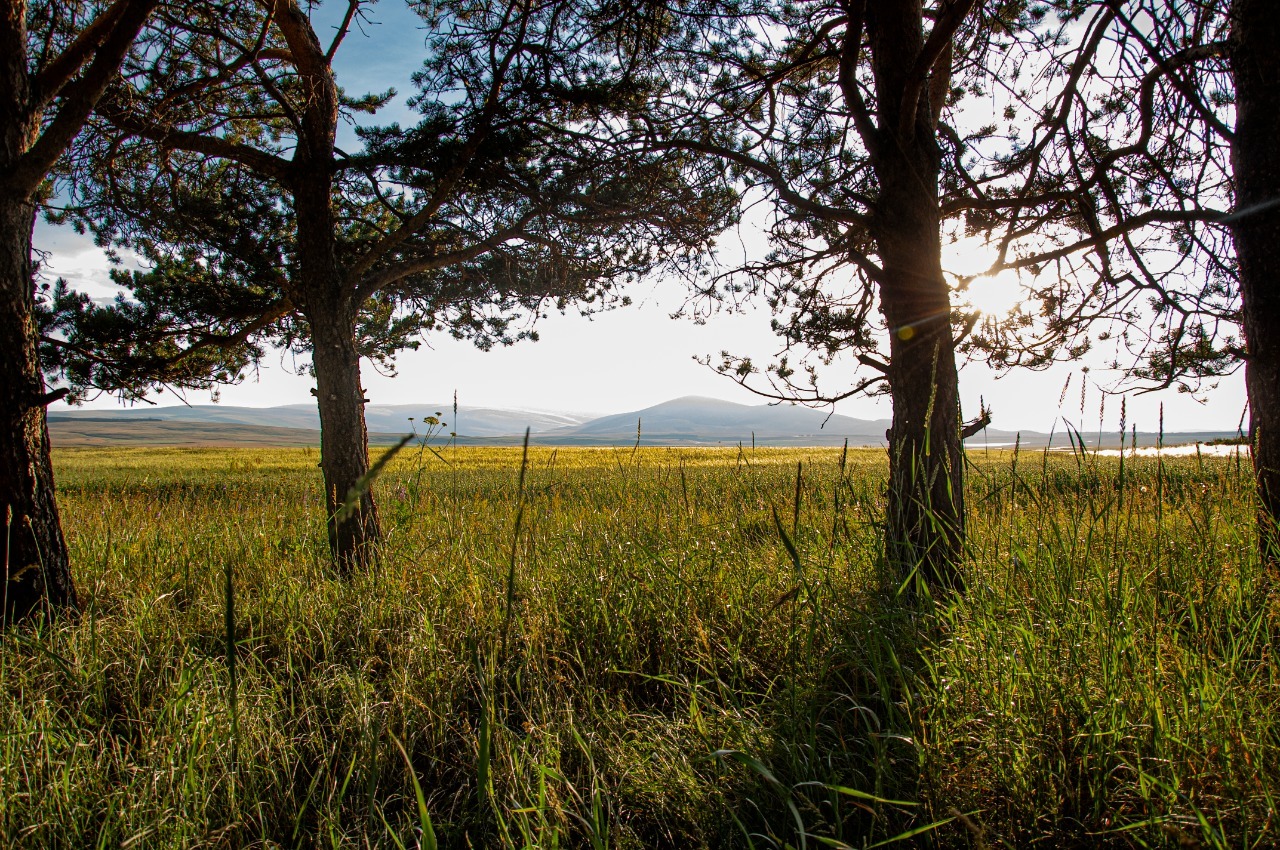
[{"x": 691, "y": 420}]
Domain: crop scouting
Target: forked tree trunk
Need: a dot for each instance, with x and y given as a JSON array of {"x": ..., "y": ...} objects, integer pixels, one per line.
[
  {"x": 37, "y": 573},
  {"x": 344, "y": 440},
  {"x": 1255, "y": 65},
  {"x": 33, "y": 553}
]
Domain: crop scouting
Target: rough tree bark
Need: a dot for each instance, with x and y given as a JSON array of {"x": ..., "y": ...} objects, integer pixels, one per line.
[
  {"x": 37, "y": 572},
  {"x": 1255, "y": 156},
  {"x": 344, "y": 440},
  {"x": 35, "y": 564}
]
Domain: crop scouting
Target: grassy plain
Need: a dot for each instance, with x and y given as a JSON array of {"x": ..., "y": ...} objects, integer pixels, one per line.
[{"x": 633, "y": 652}]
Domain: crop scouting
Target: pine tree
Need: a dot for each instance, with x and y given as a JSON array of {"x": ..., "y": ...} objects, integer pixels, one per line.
[{"x": 217, "y": 159}]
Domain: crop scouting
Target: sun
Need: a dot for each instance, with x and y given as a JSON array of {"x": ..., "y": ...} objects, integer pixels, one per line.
[{"x": 995, "y": 295}]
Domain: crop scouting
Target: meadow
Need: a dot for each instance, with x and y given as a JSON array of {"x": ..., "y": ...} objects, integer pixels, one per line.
[{"x": 645, "y": 648}]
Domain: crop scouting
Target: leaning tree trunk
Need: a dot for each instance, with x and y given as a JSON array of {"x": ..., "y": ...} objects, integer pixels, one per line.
[
  {"x": 1255, "y": 155},
  {"x": 352, "y": 515},
  {"x": 37, "y": 573}
]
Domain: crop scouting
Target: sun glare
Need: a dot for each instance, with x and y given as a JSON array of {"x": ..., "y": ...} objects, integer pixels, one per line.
[
  {"x": 997, "y": 295},
  {"x": 992, "y": 295}
]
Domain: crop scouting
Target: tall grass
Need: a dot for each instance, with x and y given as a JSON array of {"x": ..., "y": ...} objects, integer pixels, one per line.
[{"x": 639, "y": 648}]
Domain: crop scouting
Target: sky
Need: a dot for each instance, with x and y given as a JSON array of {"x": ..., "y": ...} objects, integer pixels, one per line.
[{"x": 637, "y": 356}]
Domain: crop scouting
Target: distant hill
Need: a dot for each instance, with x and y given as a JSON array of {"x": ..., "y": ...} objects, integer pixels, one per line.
[
  {"x": 697, "y": 420},
  {"x": 689, "y": 421},
  {"x": 384, "y": 418}
]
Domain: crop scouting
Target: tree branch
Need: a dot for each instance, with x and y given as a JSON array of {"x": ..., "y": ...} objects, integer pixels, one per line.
[
  {"x": 935, "y": 46},
  {"x": 49, "y": 81},
  {"x": 451, "y": 178},
  {"x": 319, "y": 91},
  {"x": 850, "y": 50},
  {"x": 182, "y": 93},
  {"x": 79, "y": 99},
  {"x": 1101, "y": 237},
  {"x": 266, "y": 164},
  {"x": 375, "y": 283},
  {"x": 279, "y": 310},
  {"x": 1052, "y": 128},
  {"x": 353, "y": 6},
  {"x": 1167, "y": 65},
  {"x": 770, "y": 173},
  {"x": 972, "y": 427}
]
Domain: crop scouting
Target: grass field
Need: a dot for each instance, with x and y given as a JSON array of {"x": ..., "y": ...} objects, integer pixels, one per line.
[{"x": 659, "y": 648}]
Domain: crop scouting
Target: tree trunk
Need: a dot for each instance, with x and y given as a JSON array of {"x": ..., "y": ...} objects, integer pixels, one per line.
[
  {"x": 1255, "y": 154},
  {"x": 33, "y": 553},
  {"x": 925, "y": 515},
  {"x": 37, "y": 573},
  {"x": 344, "y": 440}
]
